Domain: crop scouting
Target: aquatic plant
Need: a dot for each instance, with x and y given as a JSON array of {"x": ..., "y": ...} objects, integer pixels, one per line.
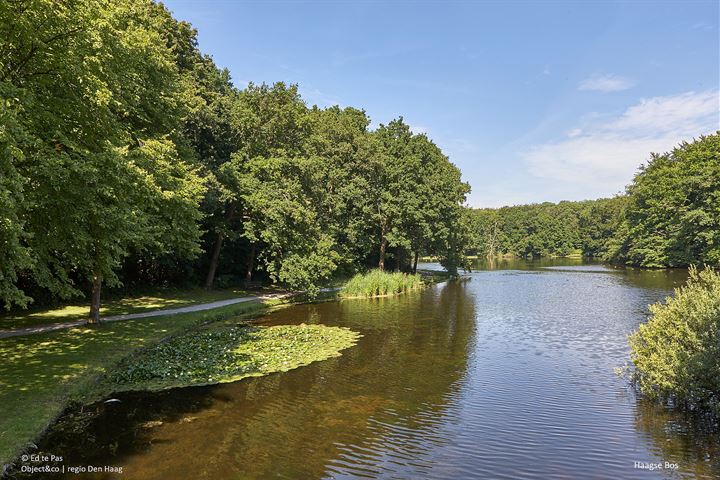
[
  {"x": 227, "y": 354},
  {"x": 377, "y": 283}
]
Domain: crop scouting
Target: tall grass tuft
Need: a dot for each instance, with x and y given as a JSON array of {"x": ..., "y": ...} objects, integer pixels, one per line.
[{"x": 376, "y": 283}]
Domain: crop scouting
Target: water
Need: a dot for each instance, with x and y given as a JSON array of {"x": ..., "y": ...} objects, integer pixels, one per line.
[{"x": 508, "y": 374}]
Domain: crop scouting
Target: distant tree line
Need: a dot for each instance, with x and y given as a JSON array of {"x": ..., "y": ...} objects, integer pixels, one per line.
[
  {"x": 127, "y": 157},
  {"x": 668, "y": 217}
]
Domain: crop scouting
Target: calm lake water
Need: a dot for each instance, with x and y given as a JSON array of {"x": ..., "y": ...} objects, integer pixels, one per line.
[{"x": 507, "y": 374}]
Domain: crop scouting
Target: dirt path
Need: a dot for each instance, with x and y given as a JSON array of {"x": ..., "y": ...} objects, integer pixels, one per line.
[{"x": 154, "y": 313}]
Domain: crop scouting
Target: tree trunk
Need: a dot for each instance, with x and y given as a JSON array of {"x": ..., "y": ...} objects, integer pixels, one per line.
[
  {"x": 492, "y": 244},
  {"x": 415, "y": 261},
  {"x": 95, "y": 299},
  {"x": 215, "y": 257},
  {"x": 214, "y": 261},
  {"x": 250, "y": 264},
  {"x": 383, "y": 246}
]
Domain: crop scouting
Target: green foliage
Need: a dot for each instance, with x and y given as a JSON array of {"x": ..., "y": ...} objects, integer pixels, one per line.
[
  {"x": 14, "y": 257},
  {"x": 377, "y": 283},
  {"x": 673, "y": 215},
  {"x": 677, "y": 352},
  {"x": 227, "y": 354},
  {"x": 125, "y": 153},
  {"x": 95, "y": 101},
  {"x": 416, "y": 195},
  {"x": 547, "y": 229},
  {"x": 600, "y": 226}
]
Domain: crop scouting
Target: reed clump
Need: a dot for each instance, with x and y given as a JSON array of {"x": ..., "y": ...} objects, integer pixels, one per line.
[{"x": 376, "y": 283}]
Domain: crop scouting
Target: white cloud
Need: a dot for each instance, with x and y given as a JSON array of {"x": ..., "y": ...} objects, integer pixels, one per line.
[
  {"x": 601, "y": 159},
  {"x": 683, "y": 114},
  {"x": 574, "y": 132},
  {"x": 605, "y": 83}
]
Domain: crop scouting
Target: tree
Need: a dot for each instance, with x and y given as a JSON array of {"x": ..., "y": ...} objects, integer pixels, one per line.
[
  {"x": 101, "y": 171},
  {"x": 270, "y": 121},
  {"x": 14, "y": 257},
  {"x": 673, "y": 212},
  {"x": 485, "y": 232},
  {"x": 600, "y": 226}
]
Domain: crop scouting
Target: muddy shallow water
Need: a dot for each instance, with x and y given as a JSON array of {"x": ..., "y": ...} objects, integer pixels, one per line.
[{"x": 507, "y": 374}]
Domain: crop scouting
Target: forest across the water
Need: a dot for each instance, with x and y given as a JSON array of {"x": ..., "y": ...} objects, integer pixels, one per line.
[{"x": 668, "y": 217}]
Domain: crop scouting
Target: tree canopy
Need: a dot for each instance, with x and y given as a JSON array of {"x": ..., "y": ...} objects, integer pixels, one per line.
[
  {"x": 673, "y": 214},
  {"x": 127, "y": 157}
]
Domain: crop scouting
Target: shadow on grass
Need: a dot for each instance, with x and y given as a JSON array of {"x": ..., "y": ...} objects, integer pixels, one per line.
[
  {"x": 117, "y": 306},
  {"x": 39, "y": 374}
]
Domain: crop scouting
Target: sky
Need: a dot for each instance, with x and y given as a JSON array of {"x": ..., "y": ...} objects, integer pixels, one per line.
[{"x": 533, "y": 100}]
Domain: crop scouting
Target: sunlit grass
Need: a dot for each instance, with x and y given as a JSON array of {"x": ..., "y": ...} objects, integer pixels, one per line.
[
  {"x": 119, "y": 306},
  {"x": 40, "y": 374}
]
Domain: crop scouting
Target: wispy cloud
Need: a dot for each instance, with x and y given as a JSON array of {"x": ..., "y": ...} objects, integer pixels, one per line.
[
  {"x": 601, "y": 158},
  {"x": 314, "y": 96},
  {"x": 575, "y": 132},
  {"x": 605, "y": 83},
  {"x": 683, "y": 114},
  {"x": 702, "y": 26}
]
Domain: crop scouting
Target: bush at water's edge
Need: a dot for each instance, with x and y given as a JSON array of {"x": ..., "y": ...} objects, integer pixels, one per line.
[{"x": 676, "y": 354}]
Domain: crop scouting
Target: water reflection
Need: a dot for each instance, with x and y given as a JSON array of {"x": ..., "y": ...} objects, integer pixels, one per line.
[
  {"x": 506, "y": 375},
  {"x": 374, "y": 410},
  {"x": 694, "y": 445}
]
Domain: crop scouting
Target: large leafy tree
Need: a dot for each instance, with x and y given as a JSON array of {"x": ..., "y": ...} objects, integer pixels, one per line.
[
  {"x": 388, "y": 187},
  {"x": 282, "y": 221},
  {"x": 340, "y": 160},
  {"x": 673, "y": 213},
  {"x": 14, "y": 257},
  {"x": 414, "y": 197},
  {"x": 270, "y": 122},
  {"x": 99, "y": 165}
]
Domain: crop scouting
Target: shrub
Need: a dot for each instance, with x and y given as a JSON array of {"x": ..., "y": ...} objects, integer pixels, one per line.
[
  {"x": 677, "y": 352},
  {"x": 376, "y": 283}
]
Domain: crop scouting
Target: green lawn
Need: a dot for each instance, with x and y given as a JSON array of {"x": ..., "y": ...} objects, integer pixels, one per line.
[
  {"x": 118, "y": 306},
  {"x": 40, "y": 374}
]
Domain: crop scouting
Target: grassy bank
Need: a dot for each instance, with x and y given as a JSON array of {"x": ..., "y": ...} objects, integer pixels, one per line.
[
  {"x": 41, "y": 374},
  {"x": 376, "y": 283},
  {"x": 155, "y": 300}
]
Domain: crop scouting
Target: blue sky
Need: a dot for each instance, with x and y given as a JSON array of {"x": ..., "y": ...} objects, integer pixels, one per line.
[{"x": 533, "y": 100}]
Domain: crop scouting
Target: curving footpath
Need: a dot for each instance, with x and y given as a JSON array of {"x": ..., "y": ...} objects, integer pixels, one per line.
[{"x": 154, "y": 313}]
